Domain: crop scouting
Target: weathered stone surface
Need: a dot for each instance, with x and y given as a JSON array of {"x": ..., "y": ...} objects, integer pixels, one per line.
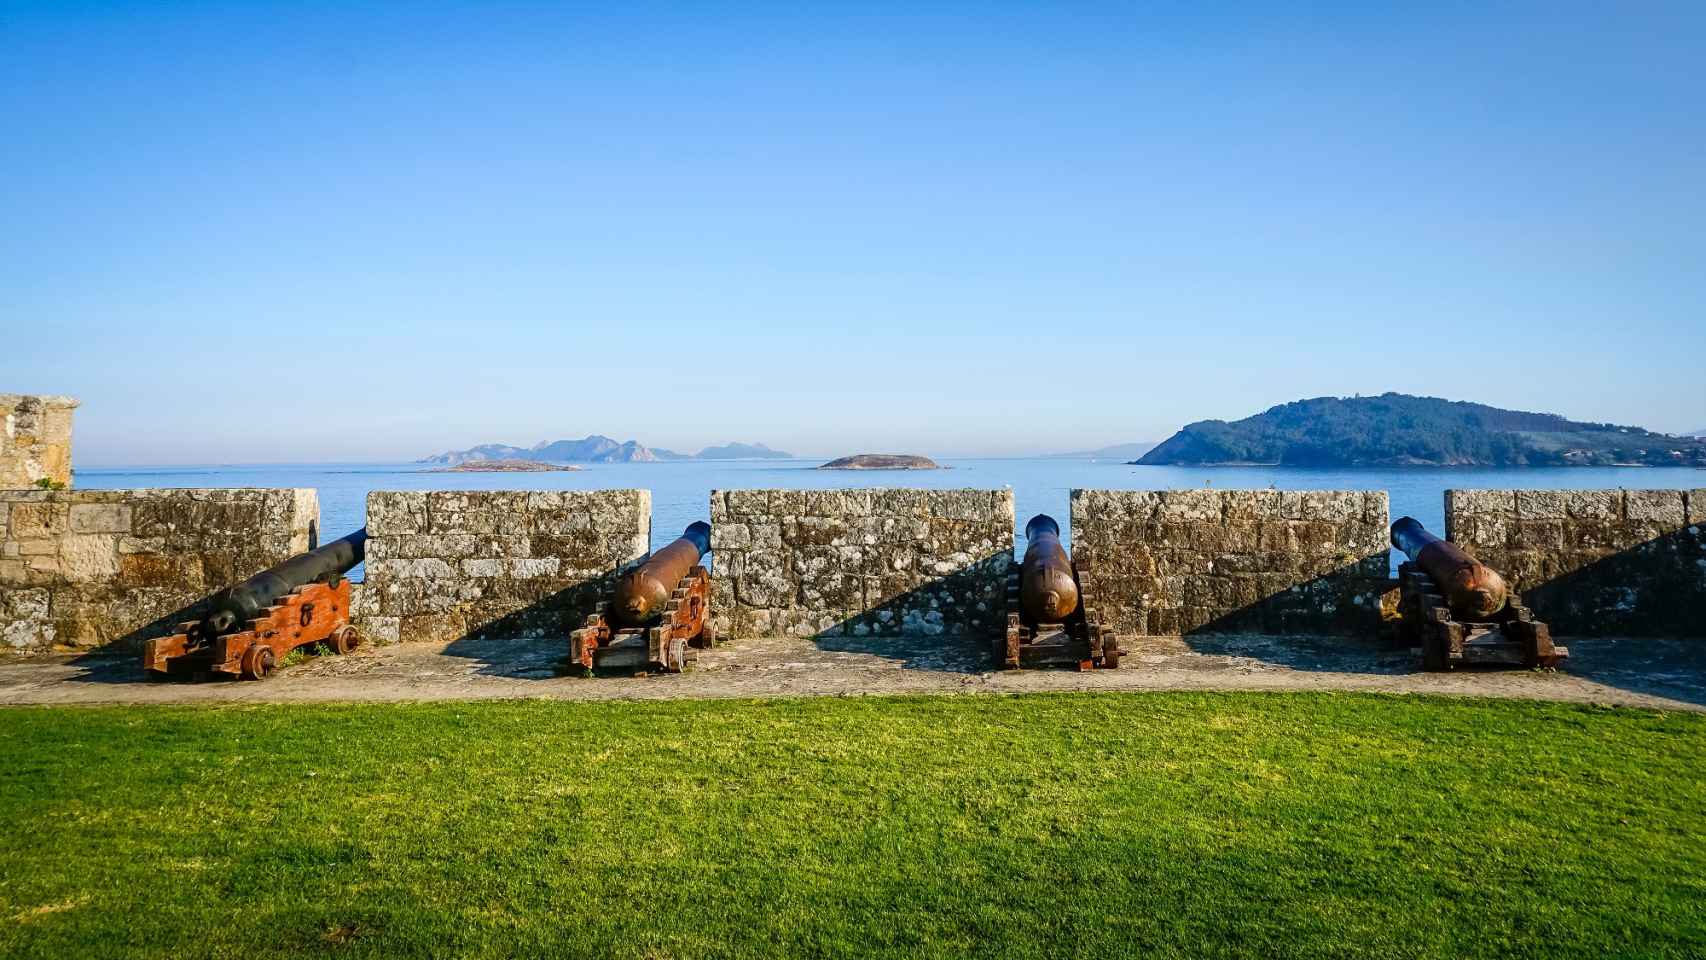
[
  {"x": 1181, "y": 561},
  {"x": 443, "y": 565},
  {"x": 1662, "y": 508},
  {"x": 35, "y": 440},
  {"x": 889, "y": 562},
  {"x": 94, "y": 567},
  {"x": 1600, "y": 562}
]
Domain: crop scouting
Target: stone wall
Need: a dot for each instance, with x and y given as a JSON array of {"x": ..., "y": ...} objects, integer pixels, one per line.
[
  {"x": 94, "y": 567},
  {"x": 859, "y": 562},
  {"x": 35, "y": 440},
  {"x": 443, "y": 565},
  {"x": 1173, "y": 562},
  {"x": 1605, "y": 562}
]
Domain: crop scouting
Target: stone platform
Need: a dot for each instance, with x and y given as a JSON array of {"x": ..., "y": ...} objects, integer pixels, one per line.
[{"x": 1665, "y": 674}]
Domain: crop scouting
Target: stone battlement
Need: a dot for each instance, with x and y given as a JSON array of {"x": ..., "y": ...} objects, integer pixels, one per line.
[
  {"x": 1172, "y": 562},
  {"x": 35, "y": 440},
  {"x": 89, "y": 568}
]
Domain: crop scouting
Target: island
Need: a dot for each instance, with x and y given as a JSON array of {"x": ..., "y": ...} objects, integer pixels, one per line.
[
  {"x": 881, "y": 461},
  {"x": 601, "y": 449},
  {"x": 1396, "y": 429},
  {"x": 504, "y": 466}
]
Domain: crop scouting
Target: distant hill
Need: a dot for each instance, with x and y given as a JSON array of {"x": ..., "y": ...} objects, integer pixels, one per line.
[
  {"x": 742, "y": 451},
  {"x": 1397, "y": 429},
  {"x": 1118, "y": 451},
  {"x": 596, "y": 449}
]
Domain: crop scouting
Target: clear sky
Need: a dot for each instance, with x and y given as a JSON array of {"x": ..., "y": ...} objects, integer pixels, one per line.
[{"x": 262, "y": 232}]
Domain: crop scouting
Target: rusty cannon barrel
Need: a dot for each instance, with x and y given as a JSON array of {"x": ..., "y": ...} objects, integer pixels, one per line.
[
  {"x": 235, "y": 606},
  {"x": 642, "y": 592},
  {"x": 1048, "y": 593},
  {"x": 1473, "y": 590}
]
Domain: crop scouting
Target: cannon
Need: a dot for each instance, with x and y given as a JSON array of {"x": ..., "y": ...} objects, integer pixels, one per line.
[
  {"x": 1048, "y": 592},
  {"x": 1458, "y": 611},
  {"x": 1472, "y": 589},
  {"x": 1047, "y": 621},
  {"x": 251, "y": 626},
  {"x": 658, "y": 613}
]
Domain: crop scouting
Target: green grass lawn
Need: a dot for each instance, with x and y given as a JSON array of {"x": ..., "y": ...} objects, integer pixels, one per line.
[{"x": 1099, "y": 825}]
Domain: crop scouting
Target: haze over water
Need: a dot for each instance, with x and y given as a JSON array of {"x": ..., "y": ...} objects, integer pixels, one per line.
[{"x": 681, "y": 490}]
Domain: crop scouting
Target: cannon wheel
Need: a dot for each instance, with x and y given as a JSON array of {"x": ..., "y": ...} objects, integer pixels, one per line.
[
  {"x": 258, "y": 662},
  {"x": 345, "y": 639}
]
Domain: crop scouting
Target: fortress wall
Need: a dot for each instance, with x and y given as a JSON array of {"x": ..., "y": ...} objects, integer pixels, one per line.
[
  {"x": 444, "y": 565},
  {"x": 95, "y": 567},
  {"x": 35, "y": 440},
  {"x": 1603, "y": 562},
  {"x": 890, "y": 562},
  {"x": 1174, "y": 562}
]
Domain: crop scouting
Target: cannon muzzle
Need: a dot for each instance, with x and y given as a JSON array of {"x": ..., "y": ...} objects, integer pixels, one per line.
[
  {"x": 1048, "y": 592},
  {"x": 1473, "y": 590},
  {"x": 642, "y": 592},
  {"x": 235, "y": 606}
]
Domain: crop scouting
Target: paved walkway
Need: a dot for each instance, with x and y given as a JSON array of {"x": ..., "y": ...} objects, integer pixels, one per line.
[{"x": 1665, "y": 674}]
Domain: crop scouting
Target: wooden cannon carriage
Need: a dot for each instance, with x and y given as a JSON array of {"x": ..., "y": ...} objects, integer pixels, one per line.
[
  {"x": 252, "y": 625},
  {"x": 1456, "y": 611},
  {"x": 308, "y": 615},
  {"x": 657, "y": 617},
  {"x": 1511, "y": 637}
]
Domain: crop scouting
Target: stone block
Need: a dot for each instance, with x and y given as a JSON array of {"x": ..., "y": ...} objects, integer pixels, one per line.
[
  {"x": 1594, "y": 505},
  {"x": 901, "y": 503},
  {"x": 39, "y": 520},
  {"x": 1696, "y": 503},
  {"x": 100, "y": 518},
  {"x": 787, "y": 503},
  {"x": 1534, "y": 505},
  {"x": 746, "y": 503},
  {"x": 485, "y": 567},
  {"x": 533, "y": 567},
  {"x": 1480, "y": 503},
  {"x": 89, "y": 558},
  {"x": 1662, "y": 508},
  {"x": 1252, "y": 505},
  {"x": 1184, "y": 506},
  {"x": 730, "y": 536},
  {"x": 393, "y": 512},
  {"x": 1331, "y": 506},
  {"x": 1537, "y": 534},
  {"x": 1376, "y": 508}
]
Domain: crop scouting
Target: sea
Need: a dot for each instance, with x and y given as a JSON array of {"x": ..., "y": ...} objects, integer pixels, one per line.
[{"x": 681, "y": 489}]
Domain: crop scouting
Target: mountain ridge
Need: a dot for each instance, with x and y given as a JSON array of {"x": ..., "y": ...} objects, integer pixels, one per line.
[
  {"x": 597, "y": 448},
  {"x": 1396, "y": 429}
]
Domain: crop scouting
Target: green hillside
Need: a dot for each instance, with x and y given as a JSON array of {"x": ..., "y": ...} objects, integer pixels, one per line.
[{"x": 1397, "y": 429}]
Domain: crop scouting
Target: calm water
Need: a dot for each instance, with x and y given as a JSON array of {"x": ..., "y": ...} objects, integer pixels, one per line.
[{"x": 680, "y": 491}]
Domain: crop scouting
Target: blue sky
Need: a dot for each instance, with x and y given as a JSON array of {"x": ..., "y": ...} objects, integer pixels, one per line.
[{"x": 252, "y": 232}]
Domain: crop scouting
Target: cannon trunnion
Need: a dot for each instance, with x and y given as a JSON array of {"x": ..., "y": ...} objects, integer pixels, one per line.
[
  {"x": 301, "y": 602},
  {"x": 658, "y": 615},
  {"x": 1047, "y": 621}
]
